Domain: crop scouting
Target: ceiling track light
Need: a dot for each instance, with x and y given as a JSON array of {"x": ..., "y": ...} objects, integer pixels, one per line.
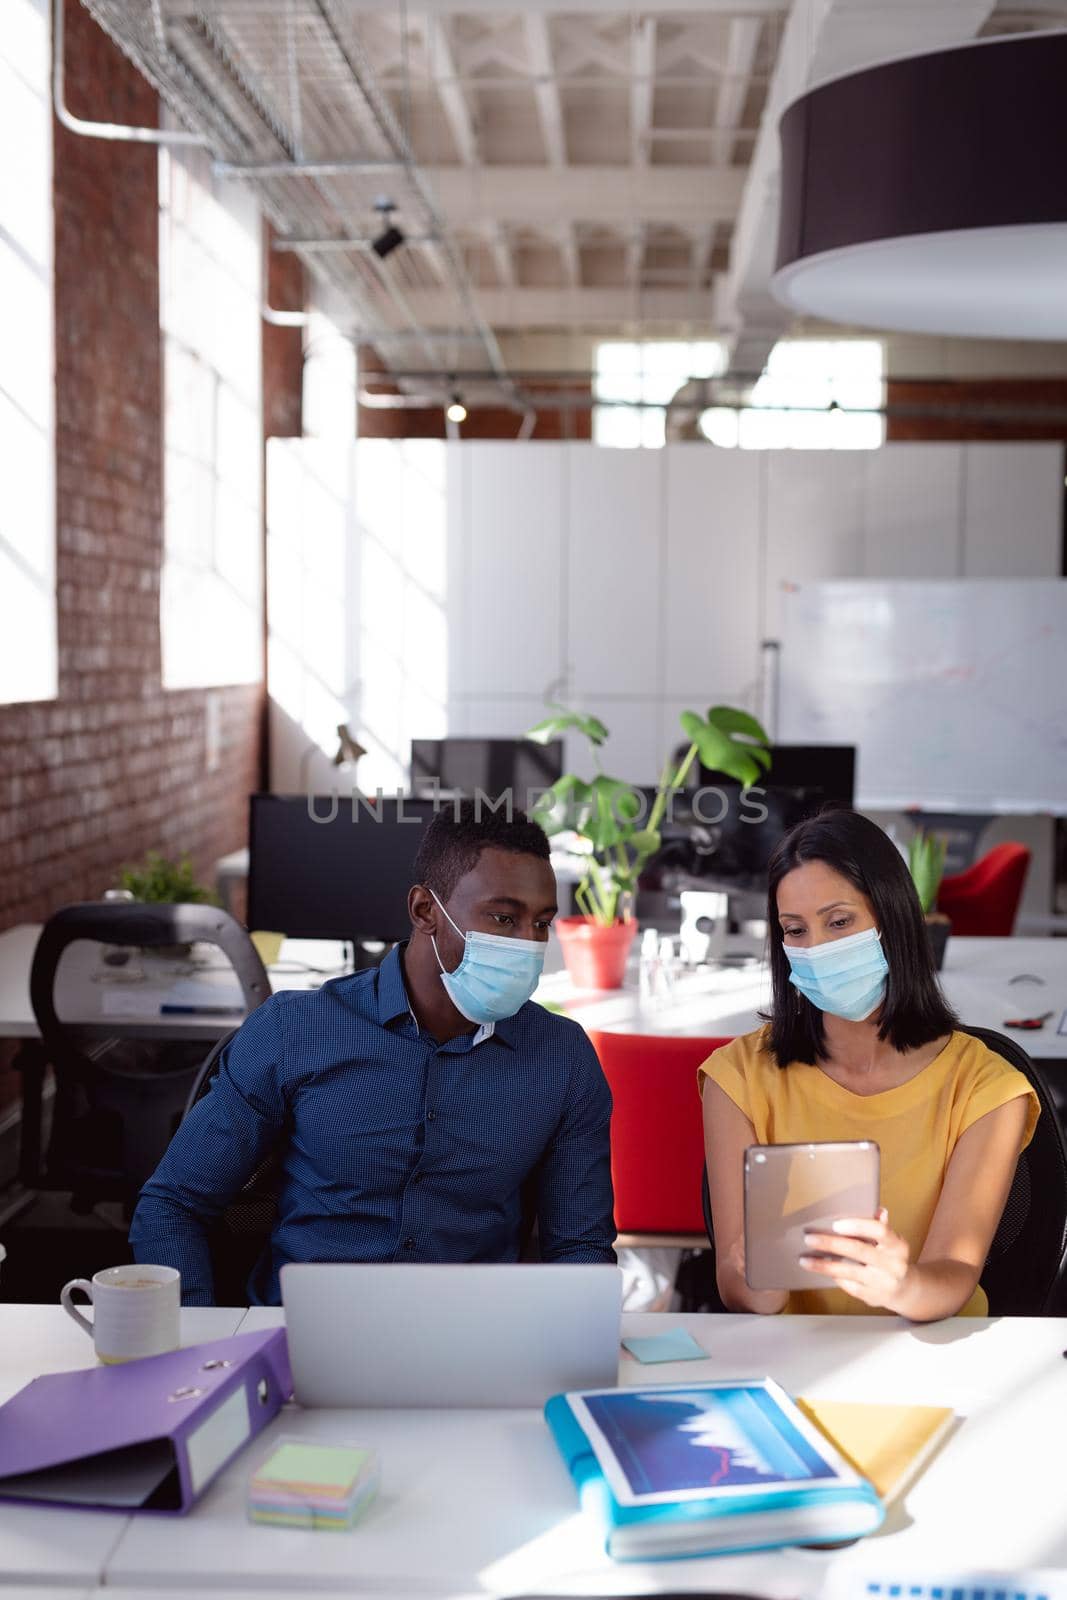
[{"x": 384, "y": 243}]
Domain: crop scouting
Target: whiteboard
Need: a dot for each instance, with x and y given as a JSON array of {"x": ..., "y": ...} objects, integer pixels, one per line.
[{"x": 954, "y": 691}]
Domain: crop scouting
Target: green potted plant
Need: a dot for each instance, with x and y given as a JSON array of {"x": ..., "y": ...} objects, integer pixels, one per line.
[
  {"x": 615, "y": 841},
  {"x": 164, "y": 882},
  {"x": 926, "y": 863}
]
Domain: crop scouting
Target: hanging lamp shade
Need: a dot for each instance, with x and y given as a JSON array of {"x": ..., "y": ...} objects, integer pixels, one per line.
[{"x": 929, "y": 195}]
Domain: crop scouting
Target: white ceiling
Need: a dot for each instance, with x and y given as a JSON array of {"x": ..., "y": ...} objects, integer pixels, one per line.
[{"x": 579, "y": 168}]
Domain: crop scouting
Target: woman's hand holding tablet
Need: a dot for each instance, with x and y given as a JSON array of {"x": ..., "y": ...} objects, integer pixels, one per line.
[{"x": 876, "y": 1266}]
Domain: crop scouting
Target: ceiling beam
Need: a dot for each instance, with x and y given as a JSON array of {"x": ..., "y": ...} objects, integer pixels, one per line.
[
  {"x": 741, "y": 46},
  {"x": 690, "y": 196},
  {"x": 189, "y": 9},
  {"x": 563, "y": 308},
  {"x": 503, "y": 260},
  {"x": 549, "y": 105},
  {"x": 642, "y": 88},
  {"x": 572, "y": 259},
  {"x": 453, "y": 100},
  {"x": 635, "y": 257}
]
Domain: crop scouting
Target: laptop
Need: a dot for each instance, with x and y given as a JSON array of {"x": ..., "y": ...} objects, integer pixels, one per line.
[{"x": 449, "y": 1335}]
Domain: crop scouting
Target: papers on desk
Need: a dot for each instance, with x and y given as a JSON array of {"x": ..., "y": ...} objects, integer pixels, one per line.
[
  {"x": 208, "y": 994},
  {"x": 862, "y": 1582},
  {"x": 676, "y": 1345}
]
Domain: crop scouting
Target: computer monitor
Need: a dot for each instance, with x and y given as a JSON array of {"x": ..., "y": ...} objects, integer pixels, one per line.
[
  {"x": 829, "y": 769},
  {"x": 719, "y": 835},
  {"x": 329, "y": 867},
  {"x": 492, "y": 766}
]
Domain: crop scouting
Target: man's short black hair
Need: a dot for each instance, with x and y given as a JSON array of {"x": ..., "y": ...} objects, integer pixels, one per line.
[{"x": 456, "y": 836}]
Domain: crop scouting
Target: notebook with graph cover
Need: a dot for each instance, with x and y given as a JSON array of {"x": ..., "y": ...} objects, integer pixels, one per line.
[{"x": 700, "y": 1469}]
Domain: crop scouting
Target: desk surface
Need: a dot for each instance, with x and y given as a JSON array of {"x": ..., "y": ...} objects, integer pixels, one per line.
[
  {"x": 723, "y": 1002},
  {"x": 707, "y": 1003},
  {"x": 38, "y": 1545},
  {"x": 83, "y": 980},
  {"x": 479, "y": 1503}
]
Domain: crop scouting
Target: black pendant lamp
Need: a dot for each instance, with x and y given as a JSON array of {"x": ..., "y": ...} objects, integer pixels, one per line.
[{"x": 929, "y": 195}]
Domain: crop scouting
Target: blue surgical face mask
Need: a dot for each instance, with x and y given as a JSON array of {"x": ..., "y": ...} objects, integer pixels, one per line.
[
  {"x": 496, "y": 976},
  {"x": 845, "y": 977}
]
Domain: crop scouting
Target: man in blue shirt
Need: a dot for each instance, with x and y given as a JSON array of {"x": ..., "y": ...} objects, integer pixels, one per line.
[{"x": 414, "y": 1105}]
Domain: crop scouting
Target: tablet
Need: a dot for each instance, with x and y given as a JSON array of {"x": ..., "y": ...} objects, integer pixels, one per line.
[{"x": 791, "y": 1189}]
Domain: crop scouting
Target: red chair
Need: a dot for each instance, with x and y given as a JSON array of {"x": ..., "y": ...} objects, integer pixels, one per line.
[
  {"x": 657, "y": 1135},
  {"x": 983, "y": 900}
]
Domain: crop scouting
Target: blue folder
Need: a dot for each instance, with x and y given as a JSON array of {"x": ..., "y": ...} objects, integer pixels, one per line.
[{"x": 704, "y": 1469}]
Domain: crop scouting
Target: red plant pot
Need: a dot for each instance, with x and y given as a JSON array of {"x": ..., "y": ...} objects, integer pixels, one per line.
[{"x": 595, "y": 956}]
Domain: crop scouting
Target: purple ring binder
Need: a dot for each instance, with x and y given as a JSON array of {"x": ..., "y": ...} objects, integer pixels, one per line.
[{"x": 149, "y": 1435}]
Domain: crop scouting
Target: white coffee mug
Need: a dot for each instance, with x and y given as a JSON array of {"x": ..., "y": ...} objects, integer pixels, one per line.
[{"x": 136, "y": 1311}]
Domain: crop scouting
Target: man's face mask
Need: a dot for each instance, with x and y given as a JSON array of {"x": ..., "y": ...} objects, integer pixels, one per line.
[{"x": 496, "y": 976}]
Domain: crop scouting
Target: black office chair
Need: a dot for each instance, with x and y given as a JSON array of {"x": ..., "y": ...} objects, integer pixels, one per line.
[
  {"x": 119, "y": 1100},
  {"x": 239, "y": 1240},
  {"x": 1025, "y": 1274}
]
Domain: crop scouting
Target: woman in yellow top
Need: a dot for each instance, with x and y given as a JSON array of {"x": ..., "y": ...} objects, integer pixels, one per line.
[{"x": 862, "y": 1045}]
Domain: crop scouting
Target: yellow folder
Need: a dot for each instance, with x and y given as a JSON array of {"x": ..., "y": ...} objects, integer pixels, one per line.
[{"x": 888, "y": 1444}]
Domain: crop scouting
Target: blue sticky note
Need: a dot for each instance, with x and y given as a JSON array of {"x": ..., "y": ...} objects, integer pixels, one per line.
[{"x": 677, "y": 1345}]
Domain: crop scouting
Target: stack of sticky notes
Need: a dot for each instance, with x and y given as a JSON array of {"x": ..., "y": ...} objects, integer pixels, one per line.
[{"x": 306, "y": 1485}]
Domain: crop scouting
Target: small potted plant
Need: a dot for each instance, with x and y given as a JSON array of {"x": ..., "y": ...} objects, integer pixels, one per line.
[
  {"x": 926, "y": 863},
  {"x": 612, "y": 837},
  {"x": 164, "y": 882}
]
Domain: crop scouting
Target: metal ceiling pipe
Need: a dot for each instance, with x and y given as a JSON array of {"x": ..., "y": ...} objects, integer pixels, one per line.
[
  {"x": 303, "y": 169},
  {"x": 102, "y": 130}
]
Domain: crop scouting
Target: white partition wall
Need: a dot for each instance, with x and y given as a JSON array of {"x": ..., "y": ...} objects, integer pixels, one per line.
[
  {"x": 481, "y": 580},
  {"x": 639, "y": 583}
]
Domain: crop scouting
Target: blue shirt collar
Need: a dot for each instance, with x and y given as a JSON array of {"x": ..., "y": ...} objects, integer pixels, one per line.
[{"x": 393, "y": 1001}]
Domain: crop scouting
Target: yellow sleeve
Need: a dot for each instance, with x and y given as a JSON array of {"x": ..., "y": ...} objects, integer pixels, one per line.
[
  {"x": 730, "y": 1068},
  {"x": 993, "y": 1082}
]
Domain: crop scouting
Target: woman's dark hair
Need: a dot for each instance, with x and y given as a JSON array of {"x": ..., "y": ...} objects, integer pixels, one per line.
[{"x": 914, "y": 1010}]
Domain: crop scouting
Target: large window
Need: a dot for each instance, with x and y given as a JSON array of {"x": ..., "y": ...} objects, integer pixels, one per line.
[
  {"x": 27, "y": 426},
  {"x": 816, "y": 394},
  {"x": 210, "y": 309},
  {"x": 634, "y": 381}
]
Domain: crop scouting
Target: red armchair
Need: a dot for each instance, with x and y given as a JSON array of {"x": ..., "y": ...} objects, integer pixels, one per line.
[
  {"x": 657, "y": 1135},
  {"x": 983, "y": 900}
]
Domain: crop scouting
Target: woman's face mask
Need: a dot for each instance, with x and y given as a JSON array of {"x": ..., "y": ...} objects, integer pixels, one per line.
[
  {"x": 496, "y": 976},
  {"x": 846, "y": 977}
]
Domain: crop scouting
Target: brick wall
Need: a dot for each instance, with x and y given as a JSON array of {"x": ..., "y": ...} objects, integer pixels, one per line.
[
  {"x": 115, "y": 765},
  {"x": 283, "y": 348},
  {"x": 976, "y": 408}
]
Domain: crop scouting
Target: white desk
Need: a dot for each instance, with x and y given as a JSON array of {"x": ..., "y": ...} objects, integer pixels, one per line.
[
  {"x": 710, "y": 1002},
  {"x": 480, "y": 1504},
  {"x": 82, "y": 980},
  {"x": 38, "y": 1545},
  {"x": 723, "y": 1002}
]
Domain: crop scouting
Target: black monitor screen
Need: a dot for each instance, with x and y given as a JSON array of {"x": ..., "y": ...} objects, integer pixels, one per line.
[
  {"x": 826, "y": 769},
  {"x": 491, "y": 766},
  {"x": 343, "y": 876}
]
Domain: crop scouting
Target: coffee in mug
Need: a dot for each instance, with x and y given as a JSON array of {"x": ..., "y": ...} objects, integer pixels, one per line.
[{"x": 136, "y": 1310}]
